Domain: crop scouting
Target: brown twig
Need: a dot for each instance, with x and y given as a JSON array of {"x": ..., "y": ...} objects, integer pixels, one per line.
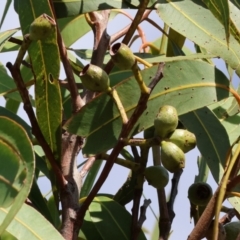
[
  {"x": 77, "y": 102},
  {"x": 87, "y": 166},
  {"x": 117, "y": 149},
  {"x": 135, "y": 227},
  {"x": 173, "y": 194},
  {"x": 16, "y": 74},
  {"x": 143, "y": 210}
]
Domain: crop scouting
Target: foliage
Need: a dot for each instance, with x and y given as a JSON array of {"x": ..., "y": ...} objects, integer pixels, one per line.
[{"x": 67, "y": 119}]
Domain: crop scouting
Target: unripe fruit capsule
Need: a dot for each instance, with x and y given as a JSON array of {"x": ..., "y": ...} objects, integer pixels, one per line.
[
  {"x": 166, "y": 121},
  {"x": 200, "y": 193},
  {"x": 173, "y": 158},
  {"x": 183, "y": 139},
  {"x": 157, "y": 176}
]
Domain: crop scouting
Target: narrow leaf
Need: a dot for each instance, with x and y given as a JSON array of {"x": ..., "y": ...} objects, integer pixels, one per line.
[
  {"x": 46, "y": 66},
  {"x": 4, "y": 36},
  {"x": 197, "y": 23},
  {"x": 7, "y": 5},
  {"x": 90, "y": 179},
  {"x": 104, "y": 209},
  {"x": 16, "y": 148},
  {"x": 220, "y": 10},
  {"x": 30, "y": 224}
]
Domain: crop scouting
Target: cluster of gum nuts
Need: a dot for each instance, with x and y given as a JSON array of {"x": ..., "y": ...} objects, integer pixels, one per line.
[{"x": 174, "y": 144}]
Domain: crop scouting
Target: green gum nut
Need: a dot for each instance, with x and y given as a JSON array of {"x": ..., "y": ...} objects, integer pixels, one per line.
[
  {"x": 166, "y": 121},
  {"x": 172, "y": 157},
  {"x": 95, "y": 79},
  {"x": 200, "y": 193},
  {"x": 41, "y": 28},
  {"x": 183, "y": 139},
  {"x": 157, "y": 176},
  {"x": 232, "y": 230},
  {"x": 122, "y": 56}
]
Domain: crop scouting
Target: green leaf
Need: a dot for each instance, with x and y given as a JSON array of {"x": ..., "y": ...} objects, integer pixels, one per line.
[
  {"x": 207, "y": 128},
  {"x": 203, "y": 170},
  {"x": 54, "y": 212},
  {"x": 88, "y": 229},
  {"x": 46, "y": 66},
  {"x": 39, "y": 202},
  {"x": 30, "y": 224},
  {"x": 175, "y": 43},
  {"x": 16, "y": 118},
  {"x": 197, "y": 23},
  {"x": 66, "y": 8},
  {"x": 4, "y": 36},
  {"x": 7, "y": 84},
  {"x": 7, "y": 5},
  {"x": 220, "y": 10},
  {"x": 17, "y": 167},
  {"x": 186, "y": 85},
  {"x": 90, "y": 179},
  {"x": 104, "y": 210},
  {"x": 126, "y": 193},
  {"x": 12, "y": 105}
]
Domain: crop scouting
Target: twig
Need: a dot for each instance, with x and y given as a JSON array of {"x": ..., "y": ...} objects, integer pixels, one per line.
[
  {"x": 87, "y": 166},
  {"x": 16, "y": 74},
  {"x": 77, "y": 101},
  {"x": 143, "y": 210},
  {"x": 135, "y": 227},
  {"x": 117, "y": 149},
  {"x": 173, "y": 194}
]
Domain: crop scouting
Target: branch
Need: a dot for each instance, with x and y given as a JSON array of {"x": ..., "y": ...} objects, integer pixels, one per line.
[{"x": 120, "y": 144}]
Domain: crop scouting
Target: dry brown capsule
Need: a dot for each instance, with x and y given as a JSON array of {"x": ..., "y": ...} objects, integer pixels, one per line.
[
  {"x": 166, "y": 121},
  {"x": 172, "y": 156}
]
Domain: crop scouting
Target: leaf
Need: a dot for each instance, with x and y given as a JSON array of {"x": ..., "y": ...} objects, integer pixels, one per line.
[
  {"x": 46, "y": 66},
  {"x": 38, "y": 201},
  {"x": 220, "y": 10},
  {"x": 86, "y": 54},
  {"x": 104, "y": 210},
  {"x": 66, "y": 8},
  {"x": 196, "y": 22},
  {"x": 175, "y": 43},
  {"x": 30, "y": 224},
  {"x": 7, "y": 84},
  {"x": 203, "y": 170},
  {"x": 17, "y": 167},
  {"x": 7, "y": 5},
  {"x": 90, "y": 179},
  {"x": 4, "y": 36},
  {"x": 88, "y": 229},
  {"x": 186, "y": 85},
  {"x": 16, "y": 118},
  {"x": 207, "y": 128},
  {"x": 126, "y": 192}
]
